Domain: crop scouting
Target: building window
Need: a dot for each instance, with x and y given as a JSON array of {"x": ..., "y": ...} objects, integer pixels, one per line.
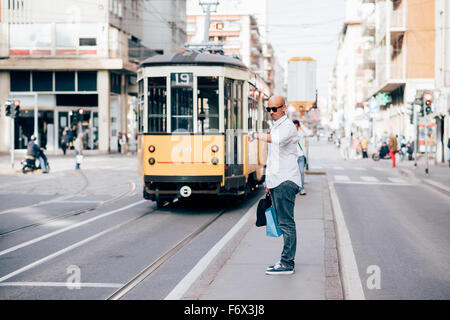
[
  {"x": 87, "y": 80},
  {"x": 65, "y": 81},
  {"x": 42, "y": 81},
  {"x": 88, "y": 42},
  {"x": 66, "y": 35},
  {"x": 20, "y": 81},
  {"x": 115, "y": 83}
]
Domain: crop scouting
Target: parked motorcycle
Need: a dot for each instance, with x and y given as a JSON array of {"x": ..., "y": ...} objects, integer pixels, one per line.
[{"x": 29, "y": 164}]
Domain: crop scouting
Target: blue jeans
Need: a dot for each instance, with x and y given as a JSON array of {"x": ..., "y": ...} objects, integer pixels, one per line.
[
  {"x": 302, "y": 164},
  {"x": 43, "y": 164},
  {"x": 283, "y": 200}
]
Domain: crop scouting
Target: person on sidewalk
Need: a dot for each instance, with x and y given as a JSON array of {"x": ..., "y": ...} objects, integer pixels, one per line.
[
  {"x": 78, "y": 151},
  {"x": 448, "y": 151},
  {"x": 64, "y": 141},
  {"x": 302, "y": 133},
  {"x": 365, "y": 147},
  {"x": 392, "y": 148},
  {"x": 282, "y": 179}
]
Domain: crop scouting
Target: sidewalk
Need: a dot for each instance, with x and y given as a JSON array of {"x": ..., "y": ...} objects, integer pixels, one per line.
[
  {"x": 438, "y": 177},
  {"x": 238, "y": 272},
  {"x": 67, "y": 162}
]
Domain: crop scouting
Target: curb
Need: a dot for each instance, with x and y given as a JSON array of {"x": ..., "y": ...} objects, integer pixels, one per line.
[
  {"x": 350, "y": 279},
  {"x": 428, "y": 182},
  {"x": 334, "y": 289}
]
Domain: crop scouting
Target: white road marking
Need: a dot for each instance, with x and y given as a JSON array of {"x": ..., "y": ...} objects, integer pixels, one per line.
[
  {"x": 183, "y": 286},
  {"x": 61, "y": 284},
  {"x": 338, "y": 168},
  {"x": 369, "y": 179},
  {"x": 359, "y": 168},
  {"x": 54, "y": 233},
  {"x": 353, "y": 289},
  {"x": 375, "y": 183},
  {"x": 397, "y": 180},
  {"x": 67, "y": 249},
  {"x": 341, "y": 178}
]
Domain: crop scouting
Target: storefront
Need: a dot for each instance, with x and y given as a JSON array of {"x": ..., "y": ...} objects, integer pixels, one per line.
[{"x": 50, "y": 104}]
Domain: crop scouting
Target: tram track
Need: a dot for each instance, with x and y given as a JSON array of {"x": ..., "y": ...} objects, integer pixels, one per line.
[
  {"x": 71, "y": 213},
  {"x": 152, "y": 267}
]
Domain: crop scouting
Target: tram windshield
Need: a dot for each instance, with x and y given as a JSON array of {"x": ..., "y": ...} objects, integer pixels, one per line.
[
  {"x": 182, "y": 101},
  {"x": 208, "y": 104}
]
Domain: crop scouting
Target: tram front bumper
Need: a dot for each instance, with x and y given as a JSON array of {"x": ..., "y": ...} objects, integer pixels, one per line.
[{"x": 173, "y": 185}]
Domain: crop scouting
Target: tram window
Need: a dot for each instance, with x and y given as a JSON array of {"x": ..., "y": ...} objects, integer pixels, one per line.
[
  {"x": 252, "y": 108},
  {"x": 266, "y": 115},
  {"x": 228, "y": 95},
  {"x": 208, "y": 104},
  {"x": 157, "y": 107},
  {"x": 140, "y": 107},
  {"x": 237, "y": 103},
  {"x": 182, "y": 97}
]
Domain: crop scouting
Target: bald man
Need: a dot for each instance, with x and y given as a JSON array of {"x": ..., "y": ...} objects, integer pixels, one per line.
[{"x": 282, "y": 179}]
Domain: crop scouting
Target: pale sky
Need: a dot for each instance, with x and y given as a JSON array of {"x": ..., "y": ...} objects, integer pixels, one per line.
[{"x": 307, "y": 28}]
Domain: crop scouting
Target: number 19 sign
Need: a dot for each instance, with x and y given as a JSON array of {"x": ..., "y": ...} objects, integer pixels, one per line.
[{"x": 181, "y": 79}]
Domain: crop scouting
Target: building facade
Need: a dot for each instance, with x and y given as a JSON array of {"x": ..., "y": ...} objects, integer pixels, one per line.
[
  {"x": 59, "y": 57},
  {"x": 243, "y": 35},
  {"x": 396, "y": 47},
  {"x": 164, "y": 25}
]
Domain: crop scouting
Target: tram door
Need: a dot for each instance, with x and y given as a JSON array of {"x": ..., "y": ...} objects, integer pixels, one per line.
[{"x": 233, "y": 127}]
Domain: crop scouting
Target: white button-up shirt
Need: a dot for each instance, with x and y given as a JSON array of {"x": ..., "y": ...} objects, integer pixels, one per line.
[{"x": 283, "y": 154}]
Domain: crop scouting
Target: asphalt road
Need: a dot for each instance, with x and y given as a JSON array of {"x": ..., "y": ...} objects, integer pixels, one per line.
[
  {"x": 399, "y": 229},
  {"x": 84, "y": 234}
]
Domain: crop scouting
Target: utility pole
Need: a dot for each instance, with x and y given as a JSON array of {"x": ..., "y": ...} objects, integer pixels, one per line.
[{"x": 207, "y": 6}]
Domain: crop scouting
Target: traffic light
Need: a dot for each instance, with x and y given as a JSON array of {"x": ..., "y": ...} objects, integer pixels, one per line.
[
  {"x": 428, "y": 101},
  {"x": 16, "y": 108},
  {"x": 8, "y": 105}
]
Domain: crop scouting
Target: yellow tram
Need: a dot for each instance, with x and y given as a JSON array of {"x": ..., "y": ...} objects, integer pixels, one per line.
[{"x": 195, "y": 110}]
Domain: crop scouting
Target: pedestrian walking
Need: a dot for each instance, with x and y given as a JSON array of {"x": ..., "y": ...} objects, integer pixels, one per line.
[
  {"x": 123, "y": 142},
  {"x": 356, "y": 147},
  {"x": 282, "y": 179},
  {"x": 365, "y": 147},
  {"x": 302, "y": 132},
  {"x": 448, "y": 151},
  {"x": 78, "y": 151},
  {"x": 392, "y": 148},
  {"x": 64, "y": 141},
  {"x": 345, "y": 145}
]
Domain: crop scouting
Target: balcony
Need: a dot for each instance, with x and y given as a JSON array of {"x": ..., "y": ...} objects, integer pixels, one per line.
[
  {"x": 369, "y": 26},
  {"x": 398, "y": 21}
]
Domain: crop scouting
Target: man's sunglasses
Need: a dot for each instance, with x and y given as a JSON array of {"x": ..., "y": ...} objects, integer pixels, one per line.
[{"x": 274, "y": 109}]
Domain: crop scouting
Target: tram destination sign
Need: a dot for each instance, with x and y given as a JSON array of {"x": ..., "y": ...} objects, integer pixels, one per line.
[{"x": 181, "y": 79}]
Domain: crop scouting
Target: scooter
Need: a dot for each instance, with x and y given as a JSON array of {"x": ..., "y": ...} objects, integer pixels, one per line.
[
  {"x": 376, "y": 156},
  {"x": 29, "y": 164}
]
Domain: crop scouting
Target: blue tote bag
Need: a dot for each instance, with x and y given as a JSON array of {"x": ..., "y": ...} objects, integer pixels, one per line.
[{"x": 272, "y": 228}]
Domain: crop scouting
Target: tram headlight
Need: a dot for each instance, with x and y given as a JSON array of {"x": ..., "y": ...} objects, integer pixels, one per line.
[
  {"x": 215, "y": 161},
  {"x": 151, "y": 161},
  {"x": 214, "y": 148},
  {"x": 151, "y": 149}
]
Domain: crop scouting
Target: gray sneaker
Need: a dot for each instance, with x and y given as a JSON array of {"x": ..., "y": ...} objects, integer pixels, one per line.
[
  {"x": 279, "y": 269},
  {"x": 302, "y": 192}
]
